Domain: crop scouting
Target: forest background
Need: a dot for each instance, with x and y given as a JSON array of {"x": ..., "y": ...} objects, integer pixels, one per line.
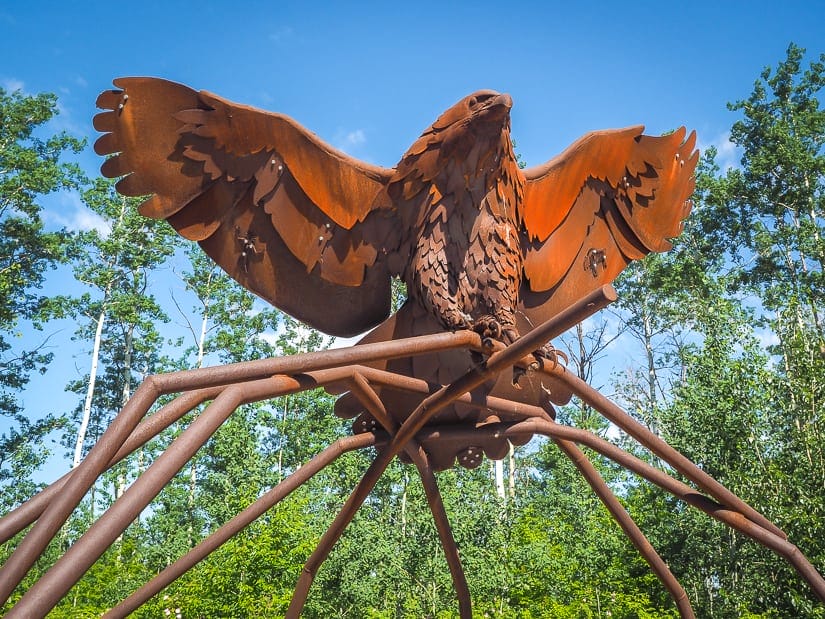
[{"x": 717, "y": 346}]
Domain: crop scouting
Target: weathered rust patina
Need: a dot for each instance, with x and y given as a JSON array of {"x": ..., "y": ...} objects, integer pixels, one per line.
[
  {"x": 497, "y": 261},
  {"x": 480, "y": 243}
]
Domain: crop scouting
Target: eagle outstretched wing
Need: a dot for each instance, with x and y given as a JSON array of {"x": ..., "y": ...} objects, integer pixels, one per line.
[
  {"x": 299, "y": 223},
  {"x": 610, "y": 198}
]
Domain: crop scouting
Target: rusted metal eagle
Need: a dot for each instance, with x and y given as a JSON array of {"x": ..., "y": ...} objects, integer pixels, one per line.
[{"x": 480, "y": 243}]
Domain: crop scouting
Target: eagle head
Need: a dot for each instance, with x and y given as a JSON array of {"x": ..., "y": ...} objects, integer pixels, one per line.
[
  {"x": 485, "y": 111},
  {"x": 473, "y": 131}
]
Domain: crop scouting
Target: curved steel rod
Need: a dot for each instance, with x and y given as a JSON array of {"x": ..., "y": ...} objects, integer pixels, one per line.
[
  {"x": 241, "y": 521},
  {"x": 67, "y": 570},
  {"x": 628, "y": 525},
  {"x": 445, "y": 534},
  {"x": 508, "y": 409},
  {"x": 732, "y": 518},
  {"x": 659, "y": 447},
  {"x": 367, "y": 396},
  {"x": 21, "y": 517},
  {"x": 64, "y": 502},
  {"x": 321, "y": 552},
  {"x": 233, "y": 373}
]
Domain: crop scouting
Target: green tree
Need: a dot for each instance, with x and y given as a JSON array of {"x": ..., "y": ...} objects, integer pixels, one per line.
[
  {"x": 31, "y": 167},
  {"x": 750, "y": 267},
  {"x": 778, "y": 200},
  {"x": 118, "y": 313}
]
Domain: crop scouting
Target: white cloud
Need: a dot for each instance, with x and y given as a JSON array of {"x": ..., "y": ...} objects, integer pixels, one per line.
[
  {"x": 11, "y": 84},
  {"x": 348, "y": 140},
  {"x": 84, "y": 219},
  {"x": 727, "y": 153},
  {"x": 356, "y": 137},
  {"x": 74, "y": 216}
]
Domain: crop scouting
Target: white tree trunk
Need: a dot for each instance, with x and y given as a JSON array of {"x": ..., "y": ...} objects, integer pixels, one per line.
[
  {"x": 511, "y": 471},
  {"x": 404, "y": 507},
  {"x": 87, "y": 405},
  {"x": 499, "y": 469},
  {"x": 126, "y": 393},
  {"x": 202, "y": 339}
]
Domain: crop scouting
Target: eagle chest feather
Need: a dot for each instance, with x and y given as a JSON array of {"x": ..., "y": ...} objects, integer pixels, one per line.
[{"x": 466, "y": 262}]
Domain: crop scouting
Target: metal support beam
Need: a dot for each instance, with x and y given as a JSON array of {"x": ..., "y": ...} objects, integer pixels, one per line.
[
  {"x": 634, "y": 534},
  {"x": 230, "y": 386},
  {"x": 240, "y": 522}
]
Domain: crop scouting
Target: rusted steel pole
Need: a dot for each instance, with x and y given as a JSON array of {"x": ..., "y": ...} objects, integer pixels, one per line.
[
  {"x": 733, "y": 518},
  {"x": 241, "y": 521},
  {"x": 660, "y": 448},
  {"x": 367, "y": 396},
  {"x": 64, "y": 502},
  {"x": 509, "y": 408},
  {"x": 630, "y": 528},
  {"x": 425, "y": 411},
  {"x": 445, "y": 533},
  {"x": 370, "y": 400},
  {"x": 185, "y": 380},
  {"x": 322, "y": 550},
  {"x": 21, "y": 517},
  {"x": 54, "y": 584}
]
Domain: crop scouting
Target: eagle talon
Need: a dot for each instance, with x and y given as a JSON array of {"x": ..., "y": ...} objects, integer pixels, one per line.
[
  {"x": 488, "y": 327},
  {"x": 509, "y": 335},
  {"x": 548, "y": 354}
]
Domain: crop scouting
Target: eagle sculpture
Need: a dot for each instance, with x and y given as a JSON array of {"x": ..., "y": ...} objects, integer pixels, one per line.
[{"x": 480, "y": 243}]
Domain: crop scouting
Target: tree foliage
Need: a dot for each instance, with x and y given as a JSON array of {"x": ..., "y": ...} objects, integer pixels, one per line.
[
  {"x": 727, "y": 357},
  {"x": 31, "y": 167}
]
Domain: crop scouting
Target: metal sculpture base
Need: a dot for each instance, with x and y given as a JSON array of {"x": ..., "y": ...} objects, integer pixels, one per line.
[{"x": 230, "y": 386}]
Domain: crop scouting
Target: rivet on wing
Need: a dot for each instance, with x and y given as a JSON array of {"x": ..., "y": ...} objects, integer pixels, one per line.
[
  {"x": 593, "y": 259},
  {"x": 247, "y": 246}
]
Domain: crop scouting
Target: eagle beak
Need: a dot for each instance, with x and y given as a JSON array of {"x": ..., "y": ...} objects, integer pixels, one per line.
[
  {"x": 504, "y": 100},
  {"x": 496, "y": 108}
]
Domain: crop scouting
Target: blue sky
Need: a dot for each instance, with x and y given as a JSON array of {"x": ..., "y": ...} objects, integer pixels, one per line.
[{"x": 369, "y": 77}]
